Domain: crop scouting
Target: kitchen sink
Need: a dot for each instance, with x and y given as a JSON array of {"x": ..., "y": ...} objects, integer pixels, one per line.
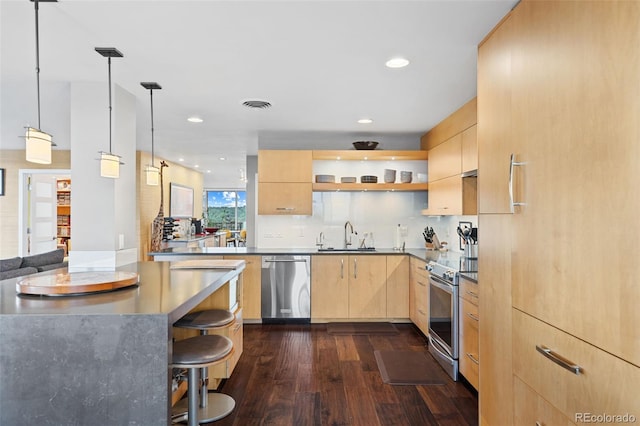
[{"x": 343, "y": 250}]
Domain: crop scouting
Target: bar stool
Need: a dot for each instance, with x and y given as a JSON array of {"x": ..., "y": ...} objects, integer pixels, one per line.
[
  {"x": 201, "y": 352},
  {"x": 204, "y": 321}
]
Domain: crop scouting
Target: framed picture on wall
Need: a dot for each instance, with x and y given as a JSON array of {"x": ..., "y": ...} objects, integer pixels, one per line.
[
  {"x": 2, "y": 172},
  {"x": 180, "y": 201}
]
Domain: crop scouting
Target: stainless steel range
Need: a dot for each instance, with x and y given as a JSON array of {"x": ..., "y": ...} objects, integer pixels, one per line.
[{"x": 444, "y": 275}]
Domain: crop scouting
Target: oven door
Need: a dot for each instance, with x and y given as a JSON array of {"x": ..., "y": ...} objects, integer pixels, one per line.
[{"x": 443, "y": 314}]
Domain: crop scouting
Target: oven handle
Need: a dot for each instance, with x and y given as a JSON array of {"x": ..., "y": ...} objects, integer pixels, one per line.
[
  {"x": 434, "y": 344},
  {"x": 441, "y": 284}
]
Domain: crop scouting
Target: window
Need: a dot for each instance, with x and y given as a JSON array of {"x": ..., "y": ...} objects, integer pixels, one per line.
[{"x": 226, "y": 209}]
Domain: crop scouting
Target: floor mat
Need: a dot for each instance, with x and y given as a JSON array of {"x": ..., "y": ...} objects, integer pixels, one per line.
[
  {"x": 361, "y": 328},
  {"x": 409, "y": 368}
]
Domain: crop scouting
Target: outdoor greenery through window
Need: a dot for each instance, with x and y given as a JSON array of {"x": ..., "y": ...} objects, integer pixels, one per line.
[{"x": 226, "y": 209}]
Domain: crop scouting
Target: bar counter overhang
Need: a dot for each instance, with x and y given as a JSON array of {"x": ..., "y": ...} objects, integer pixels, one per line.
[{"x": 100, "y": 358}]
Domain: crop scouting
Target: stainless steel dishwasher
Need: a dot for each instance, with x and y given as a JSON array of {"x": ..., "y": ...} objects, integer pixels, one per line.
[{"x": 286, "y": 289}]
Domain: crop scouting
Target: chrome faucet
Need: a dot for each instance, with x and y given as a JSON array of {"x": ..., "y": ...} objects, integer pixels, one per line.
[
  {"x": 347, "y": 243},
  {"x": 320, "y": 240}
]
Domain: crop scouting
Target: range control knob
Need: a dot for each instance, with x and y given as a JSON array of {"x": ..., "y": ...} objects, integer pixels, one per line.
[{"x": 429, "y": 268}]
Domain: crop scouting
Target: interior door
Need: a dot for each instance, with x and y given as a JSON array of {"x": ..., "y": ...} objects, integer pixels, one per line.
[{"x": 41, "y": 214}]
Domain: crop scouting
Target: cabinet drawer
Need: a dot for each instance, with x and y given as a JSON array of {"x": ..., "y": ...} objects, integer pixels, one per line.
[
  {"x": 420, "y": 305},
  {"x": 605, "y": 383},
  {"x": 419, "y": 269},
  {"x": 469, "y": 353},
  {"x": 531, "y": 409},
  {"x": 235, "y": 333},
  {"x": 469, "y": 291}
]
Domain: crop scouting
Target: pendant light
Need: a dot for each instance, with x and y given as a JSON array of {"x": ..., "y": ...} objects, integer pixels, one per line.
[
  {"x": 109, "y": 162},
  {"x": 152, "y": 172},
  {"x": 38, "y": 143}
]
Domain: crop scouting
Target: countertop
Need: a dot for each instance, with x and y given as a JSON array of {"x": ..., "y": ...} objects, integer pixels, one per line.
[{"x": 161, "y": 291}]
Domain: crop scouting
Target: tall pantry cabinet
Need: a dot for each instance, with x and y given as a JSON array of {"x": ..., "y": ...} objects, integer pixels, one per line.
[{"x": 559, "y": 143}]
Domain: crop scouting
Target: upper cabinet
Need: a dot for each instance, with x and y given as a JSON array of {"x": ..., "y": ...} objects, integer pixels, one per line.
[
  {"x": 284, "y": 182},
  {"x": 453, "y": 161}
]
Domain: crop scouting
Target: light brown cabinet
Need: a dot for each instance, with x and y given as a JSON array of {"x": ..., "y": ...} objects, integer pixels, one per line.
[
  {"x": 419, "y": 295},
  {"x": 574, "y": 147},
  {"x": 445, "y": 160},
  {"x": 470, "y": 149},
  {"x": 284, "y": 182},
  {"x": 348, "y": 287},
  {"x": 251, "y": 286},
  {"x": 531, "y": 409},
  {"x": 398, "y": 287},
  {"x": 469, "y": 331}
]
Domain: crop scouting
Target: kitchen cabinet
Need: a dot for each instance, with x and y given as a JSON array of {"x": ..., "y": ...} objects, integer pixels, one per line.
[
  {"x": 469, "y": 331},
  {"x": 445, "y": 160},
  {"x": 470, "y": 149},
  {"x": 531, "y": 409},
  {"x": 251, "y": 287},
  {"x": 398, "y": 287},
  {"x": 349, "y": 286},
  {"x": 419, "y": 294},
  {"x": 284, "y": 182},
  {"x": 335, "y": 162},
  {"x": 558, "y": 129},
  {"x": 452, "y": 196}
]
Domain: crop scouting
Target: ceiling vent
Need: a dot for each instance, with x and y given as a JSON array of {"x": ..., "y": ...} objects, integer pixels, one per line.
[{"x": 257, "y": 104}]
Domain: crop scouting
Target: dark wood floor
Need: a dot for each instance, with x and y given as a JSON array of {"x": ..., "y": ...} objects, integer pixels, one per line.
[{"x": 300, "y": 375}]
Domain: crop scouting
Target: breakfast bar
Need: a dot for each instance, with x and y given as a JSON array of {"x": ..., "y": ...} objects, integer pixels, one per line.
[{"x": 100, "y": 358}]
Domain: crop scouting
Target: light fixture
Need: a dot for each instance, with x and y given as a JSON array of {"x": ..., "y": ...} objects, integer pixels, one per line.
[
  {"x": 109, "y": 162},
  {"x": 195, "y": 120},
  {"x": 397, "y": 63},
  {"x": 38, "y": 143},
  {"x": 365, "y": 121},
  {"x": 151, "y": 171}
]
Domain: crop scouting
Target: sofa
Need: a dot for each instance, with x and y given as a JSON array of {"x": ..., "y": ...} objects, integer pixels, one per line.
[{"x": 20, "y": 266}]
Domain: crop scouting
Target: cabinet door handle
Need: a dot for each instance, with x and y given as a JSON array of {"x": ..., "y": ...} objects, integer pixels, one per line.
[
  {"x": 512, "y": 164},
  {"x": 421, "y": 283},
  {"x": 472, "y": 294},
  {"x": 341, "y": 268},
  {"x": 286, "y": 209},
  {"x": 473, "y": 358},
  {"x": 559, "y": 359},
  {"x": 473, "y": 317},
  {"x": 422, "y": 312},
  {"x": 355, "y": 268}
]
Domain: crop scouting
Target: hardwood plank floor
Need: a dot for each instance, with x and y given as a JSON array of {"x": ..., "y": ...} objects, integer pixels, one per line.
[{"x": 300, "y": 375}]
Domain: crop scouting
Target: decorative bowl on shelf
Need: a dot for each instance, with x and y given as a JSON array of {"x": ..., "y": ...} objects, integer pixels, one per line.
[
  {"x": 367, "y": 145},
  {"x": 325, "y": 179},
  {"x": 348, "y": 179},
  {"x": 368, "y": 179}
]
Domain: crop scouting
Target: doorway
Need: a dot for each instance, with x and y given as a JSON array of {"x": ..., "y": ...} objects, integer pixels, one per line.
[{"x": 38, "y": 210}]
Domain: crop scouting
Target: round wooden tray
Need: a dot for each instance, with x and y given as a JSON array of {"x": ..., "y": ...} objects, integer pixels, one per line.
[{"x": 76, "y": 283}]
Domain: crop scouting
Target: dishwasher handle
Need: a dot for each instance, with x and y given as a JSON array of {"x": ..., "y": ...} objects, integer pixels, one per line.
[{"x": 285, "y": 260}]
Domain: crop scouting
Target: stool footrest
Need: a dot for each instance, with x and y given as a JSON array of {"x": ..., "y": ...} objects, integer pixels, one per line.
[{"x": 219, "y": 405}]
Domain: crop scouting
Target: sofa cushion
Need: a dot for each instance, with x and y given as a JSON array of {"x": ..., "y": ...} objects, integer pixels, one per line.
[
  {"x": 17, "y": 273},
  {"x": 10, "y": 264},
  {"x": 48, "y": 258},
  {"x": 52, "y": 266}
]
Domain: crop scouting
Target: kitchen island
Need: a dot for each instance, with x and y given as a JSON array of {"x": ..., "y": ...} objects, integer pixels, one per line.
[{"x": 100, "y": 358}]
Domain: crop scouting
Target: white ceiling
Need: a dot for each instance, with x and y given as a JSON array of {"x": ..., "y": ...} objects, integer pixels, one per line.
[{"x": 319, "y": 63}]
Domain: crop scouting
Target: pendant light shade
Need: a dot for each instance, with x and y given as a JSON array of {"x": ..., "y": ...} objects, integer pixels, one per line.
[
  {"x": 109, "y": 162},
  {"x": 109, "y": 165},
  {"x": 38, "y": 146},
  {"x": 38, "y": 143},
  {"x": 152, "y": 172}
]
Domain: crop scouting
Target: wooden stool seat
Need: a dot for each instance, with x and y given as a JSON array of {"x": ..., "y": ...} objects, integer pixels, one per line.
[{"x": 211, "y": 318}]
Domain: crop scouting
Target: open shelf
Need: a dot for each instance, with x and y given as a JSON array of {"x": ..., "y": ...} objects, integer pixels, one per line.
[
  {"x": 332, "y": 187},
  {"x": 372, "y": 155}
]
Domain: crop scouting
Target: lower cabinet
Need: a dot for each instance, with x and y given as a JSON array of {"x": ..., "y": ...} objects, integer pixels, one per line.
[
  {"x": 398, "y": 287},
  {"x": 531, "y": 409},
  {"x": 251, "y": 286},
  {"x": 469, "y": 326},
  {"x": 578, "y": 379},
  {"x": 419, "y": 294},
  {"x": 235, "y": 333},
  {"x": 352, "y": 287}
]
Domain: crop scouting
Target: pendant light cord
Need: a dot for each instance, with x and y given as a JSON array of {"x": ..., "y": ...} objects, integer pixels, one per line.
[
  {"x": 37, "y": 61},
  {"x": 109, "y": 64},
  {"x": 152, "y": 153}
]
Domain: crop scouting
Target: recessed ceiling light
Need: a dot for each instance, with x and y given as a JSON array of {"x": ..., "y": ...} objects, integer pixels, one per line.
[
  {"x": 181, "y": 159},
  {"x": 397, "y": 63},
  {"x": 196, "y": 166},
  {"x": 208, "y": 171},
  {"x": 365, "y": 121},
  {"x": 195, "y": 119},
  {"x": 222, "y": 158}
]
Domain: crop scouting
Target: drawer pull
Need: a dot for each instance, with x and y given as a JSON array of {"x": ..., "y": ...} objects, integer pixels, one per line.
[
  {"x": 559, "y": 359},
  {"x": 538, "y": 423},
  {"x": 473, "y": 358},
  {"x": 286, "y": 209},
  {"x": 473, "y": 317},
  {"x": 238, "y": 327},
  {"x": 421, "y": 283},
  {"x": 422, "y": 312},
  {"x": 472, "y": 294}
]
